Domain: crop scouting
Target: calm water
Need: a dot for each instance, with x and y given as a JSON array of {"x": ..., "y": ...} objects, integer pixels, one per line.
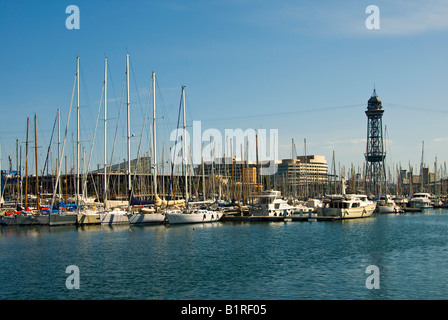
[{"x": 293, "y": 260}]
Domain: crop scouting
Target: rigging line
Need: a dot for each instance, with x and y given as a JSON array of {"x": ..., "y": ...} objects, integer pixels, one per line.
[
  {"x": 140, "y": 143},
  {"x": 91, "y": 148},
  {"x": 49, "y": 145},
  {"x": 63, "y": 146},
  {"x": 148, "y": 130},
  {"x": 417, "y": 108},
  {"x": 270, "y": 115},
  {"x": 165, "y": 114},
  {"x": 174, "y": 153},
  {"x": 135, "y": 84},
  {"x": 110, "y": 77},
  {"x": 85, "y": 91},
  {"x": 118, "y": 121}
]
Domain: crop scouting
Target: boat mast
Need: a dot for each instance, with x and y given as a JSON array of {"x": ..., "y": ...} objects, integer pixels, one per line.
[
  {"x": 77, "y": 132},
  {"x": 17, "y": 173},
  {"x": 105, "y": 134},
  {"x": 37, "y": 169},
  {"x": 233, "y": 177},
  {"x": 59, "y": 154},
  {"x": 184, "y": 151},
  {"x": 154, "y": 150},
  {"x": 306, "y": 171},
  {"x": 129, "y": 130},
  {"x": 26, "y": 163},
  {"x": 203, "y": 173},
  {"x": 242, "y": 175}
]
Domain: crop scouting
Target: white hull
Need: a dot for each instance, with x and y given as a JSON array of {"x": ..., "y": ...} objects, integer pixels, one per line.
[
  {"x": 351, "y": 213},
  {"x": 420, "y": 205},
  {"x": 421, "y": 200},
  {"x": 114, "y": 217},
  {"x": 88, "y": 218},
  {"x": 270, "y": 204},
  {"x": 199, "y": 217},
  {"x": 269, "y": 212},
  {"x": 146, "y": 218},
  {"x": 387, "y": 209}
]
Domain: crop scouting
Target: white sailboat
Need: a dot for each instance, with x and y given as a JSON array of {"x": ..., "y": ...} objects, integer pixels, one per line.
[
  {"x": 190, "y": 215},
  {"x": 150, "y": 215},
  {"x": 120, "y": 215}
]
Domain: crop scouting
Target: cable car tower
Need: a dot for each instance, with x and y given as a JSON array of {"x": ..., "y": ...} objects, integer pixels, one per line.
[{"x": 375, "y": 174}]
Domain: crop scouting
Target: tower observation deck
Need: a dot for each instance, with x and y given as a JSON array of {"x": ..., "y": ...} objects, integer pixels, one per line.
[{"x": 375, "y": 174}]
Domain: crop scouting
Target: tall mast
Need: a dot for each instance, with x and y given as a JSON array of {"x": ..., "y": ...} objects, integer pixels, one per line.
[
  {"x": 306, "y": 171},
  {"x": 77, "y": 132},
  {"x": 154, "y": 149},
  {"x": 37, "y": 169},
  {"x": 105, "y": 133},
  {"x": 242, "y": 175},
  {"x": 233, "y": 177},
  {"x": 184, "y": 151},
  {"x": 203, "y": 173},
  {"x": 17, "y": 173},
  {"x": 59, "y": 154},
  {"x": 26, "y": 163},
  {"x": 129, "y": 128}
]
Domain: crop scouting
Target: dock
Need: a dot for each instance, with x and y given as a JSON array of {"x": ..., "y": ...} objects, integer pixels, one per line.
[
  {"x": 304, "y": 218},
  {"x": 408, "y": 209}
]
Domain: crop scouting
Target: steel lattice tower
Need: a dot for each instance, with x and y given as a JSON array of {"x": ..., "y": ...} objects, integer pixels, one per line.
[{"x": 375, "y": 174}]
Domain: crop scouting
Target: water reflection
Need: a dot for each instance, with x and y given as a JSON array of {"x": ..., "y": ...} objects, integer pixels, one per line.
[{"x": 226, "y": 260}]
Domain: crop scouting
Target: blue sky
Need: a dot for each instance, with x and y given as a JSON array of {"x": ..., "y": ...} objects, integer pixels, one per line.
[{"x": 306, "y": 68}]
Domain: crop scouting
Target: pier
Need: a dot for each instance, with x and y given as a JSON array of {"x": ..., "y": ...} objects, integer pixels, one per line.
[{"x": 304, "y": 218}]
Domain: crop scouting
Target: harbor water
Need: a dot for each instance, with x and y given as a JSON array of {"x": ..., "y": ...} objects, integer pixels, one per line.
[{"x": 231, "y": 261}]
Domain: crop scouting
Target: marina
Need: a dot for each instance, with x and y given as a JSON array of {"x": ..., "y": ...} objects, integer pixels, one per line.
[
  {"x": 272, "y": 260},
  {"x": 224, "y": 150}
]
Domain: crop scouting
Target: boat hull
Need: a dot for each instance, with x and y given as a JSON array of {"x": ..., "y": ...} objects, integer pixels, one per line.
[
  {"x": 20, "y": 220},
  {"x": 352, "y": 213},
  {"x": 387, "y": 209},
  {"x": 62, "y": 219},
  {"x": 146, "y": 218},
  {"x": 420, "y": 205},
  {"x": 120, "y": 217},
  {"x": 185, "y": 218},
  {"x": 88, "y": 218}
]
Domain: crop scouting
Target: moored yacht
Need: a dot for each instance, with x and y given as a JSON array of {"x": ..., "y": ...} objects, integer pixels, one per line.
[
  {"x": 146, "y": 216},
  {"x": 385, "y": 204},
  {"x": 420, "y": 200},
  {"x": 115, "y": 216},
  {"x": 271, "y": 204},
  {"x": 193, "y": 216},
  {"x": 349, "y": 206}
]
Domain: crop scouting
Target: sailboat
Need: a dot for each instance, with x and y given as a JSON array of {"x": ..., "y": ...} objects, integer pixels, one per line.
[
  {"x": 22, "y": 216},
  {"x": 120, "y": 215},
  {"x": 189, "y": 214},
  {"x": 149, "y": 215},
  {"x": 92, "y": 216}
]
